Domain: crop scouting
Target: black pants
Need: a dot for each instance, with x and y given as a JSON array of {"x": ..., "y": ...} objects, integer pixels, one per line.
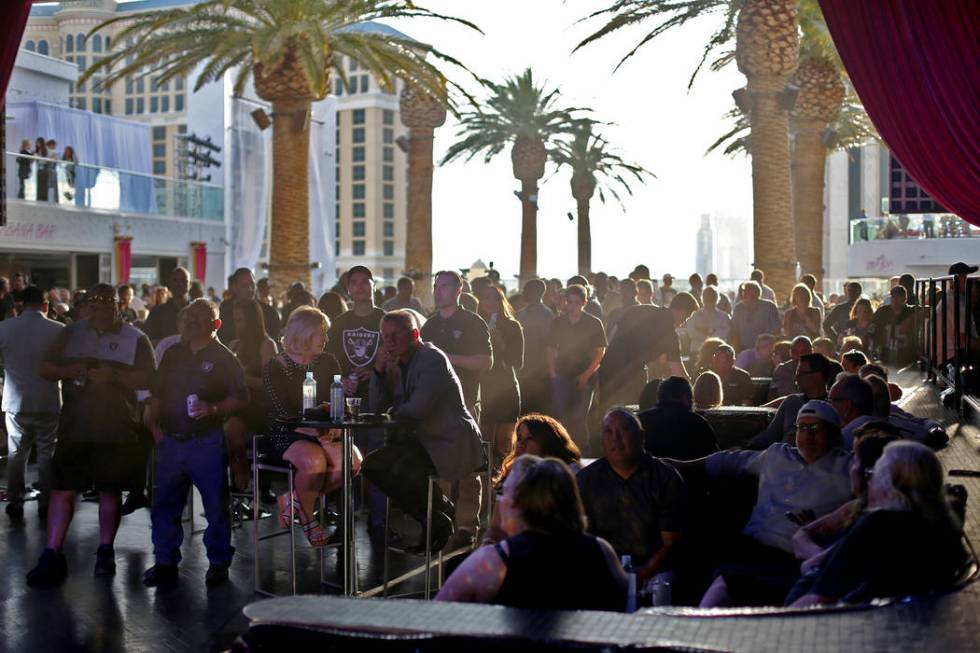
[{"x": 401, "y": 469}]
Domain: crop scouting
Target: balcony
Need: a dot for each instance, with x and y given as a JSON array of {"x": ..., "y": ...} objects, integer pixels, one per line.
[
  {"x": 899, "y": 244},
  {"x": 48, "y": 182}
]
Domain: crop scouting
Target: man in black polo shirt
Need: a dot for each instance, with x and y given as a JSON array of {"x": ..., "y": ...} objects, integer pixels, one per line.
[
  {"x": 736, "y": 383},
  {"x": 575, "y": 350},
  {"x": 162, "y": 321},
  {"x": 632, "y": 500},
  {"x": 354, "y": 339},
  {"x": 198, "y": 384},
  {"x": 242, "y": 286},
  {"x": 101, "y": 362},
  {"x": 465, "y": 339}
]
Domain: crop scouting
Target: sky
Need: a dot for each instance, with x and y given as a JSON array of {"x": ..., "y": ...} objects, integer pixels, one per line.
[{"x": 658, "y": 124}]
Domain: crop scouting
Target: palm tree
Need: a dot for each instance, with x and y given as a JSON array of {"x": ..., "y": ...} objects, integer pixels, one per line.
[
  {"x": 595, "y": 167},
  {"x": 421, "y": 112},
  {"x": 525, "y": 116},
  {"x": 767, "y": 52},
  {"x": 290, "y": 47}
]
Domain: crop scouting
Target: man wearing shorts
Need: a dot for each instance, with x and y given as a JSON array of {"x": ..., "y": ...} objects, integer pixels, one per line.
[{"x": 101, "y": 362}]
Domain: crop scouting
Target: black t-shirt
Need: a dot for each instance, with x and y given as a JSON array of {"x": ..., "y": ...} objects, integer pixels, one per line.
[
  {"x": 643, "y": 333},
  {"x": 162, "y": 320},
  {"x": 891, "y": 553},
  {"x": 575, "y": 343},
  {"x": 95, "y": 412},
  {"x": 673, "y": 431},
  {"x": 354, "y": 341},
  {"x": 738, "y": 388},
  {"x": 464, "y": 333},
  {"x": 212, "y": 373}
]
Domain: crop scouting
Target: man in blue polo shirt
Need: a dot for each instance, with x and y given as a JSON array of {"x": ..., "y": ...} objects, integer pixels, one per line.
[{"x": 199, "y": 383}]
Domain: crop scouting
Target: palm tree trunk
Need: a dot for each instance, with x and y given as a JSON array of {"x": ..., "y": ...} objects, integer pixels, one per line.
[
  {"x": 809, "y": 156},
  {"x": 418, "y": 236},
  {"x": 289, "y": 235},
  {"x": 529, "y": 230},
  {"x": 584, "y": 238},
  {"x": 772, "y": 190}
]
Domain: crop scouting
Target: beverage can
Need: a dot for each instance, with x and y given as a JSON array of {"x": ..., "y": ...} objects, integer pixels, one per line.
[{"x": 191, "y": 403}]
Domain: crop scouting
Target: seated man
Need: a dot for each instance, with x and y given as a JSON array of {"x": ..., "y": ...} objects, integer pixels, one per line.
[
  {"x": 811, "y": 378},
  {"x": 199, "y": 383},
  {"x": 853, "y": 399},
  {"x": 736, "y": 382},
  {"x": 811, "y": 478},
  {"x": 416, "y": 382},
  {"x": 632, "y": 500},
  {"x": 784, "y": 376},
  {"x": 758, "y": 360},
  {"x": 673, "y": 429}
]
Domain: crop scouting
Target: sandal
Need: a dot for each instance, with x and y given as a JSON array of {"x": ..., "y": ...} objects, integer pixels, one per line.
[
  {"x": 282, "y": 501},
  {"x": 312, "y": 529}
]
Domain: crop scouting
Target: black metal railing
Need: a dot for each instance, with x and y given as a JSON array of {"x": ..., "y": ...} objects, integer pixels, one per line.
[{"x": 949, "y": 331}]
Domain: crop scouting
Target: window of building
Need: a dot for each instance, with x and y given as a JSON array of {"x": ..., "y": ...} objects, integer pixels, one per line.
[
  {"x": 357, "y": 135},
  {"x": 107, "y": 106},
  {"x": 80, "y": 42},
  {"x": 357, "y": 117},
  {"x": 159, "y": 133},
  {"x": 389, "y": 210},
  {"x": 337, "y": 228},
  {"x": 338, "y": 87},
  {"x": 97, "y": 43},
  {"x": 336, "y": 212},
  {"x": 336, "y": 248},
  {"x": 140, "y": 84},
  {"x": 358, "y": 210},
  {"x": 69, "y": 43},
  {"x": 388, "y": 135},
  {"x": 388, "y": 154},
  {"x": 82, "y": 62},
  {"x": 154, "y": 104},
  {"x": 336, "y": 173},
  {"x": 337, "y": 193},
  {"x": 179, "y": 102},
  {"x": 389, "y": 192},
  {"x": 353, "y": 65},
  {"x": 388, "y": 173},
  {"x": 358, "y": 173},
  {"x": 97, "y": 105},
  {"x": 389, "y": 248},
  {"x": 179, "y": 83},
  {"x": 129, "y": 86},
  {"x": 365, "y": 84},
  {"x": 358, "y": 154},
  {"x": 357, "y": 248},
  {"x": 389, "y": 229},
  {"x": 129, "y": 106},
  {"x": 140, "y": 105},
  {"x": 165, "y": 86},
  {"x": 165, "y": 103},
  {"x": 81, "y": 103},
  {"x": 352, "y": 85},
  {"x": 42, "y": 47},
  {"x": 388, "y": 117},
  {"x": 360, "y": 229},
  {"x": 159, "y": 167},
  {"x": 107, "y": 43},
  {"x": 160, "y": 149},
  {"x": 358, "y": 191},
  {"x": 181, "y": 129}
]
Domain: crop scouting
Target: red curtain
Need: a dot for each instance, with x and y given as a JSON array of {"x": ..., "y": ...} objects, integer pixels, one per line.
[
  {"x": 13, "y": 14},
  {"x": 124, "y": 258},
  {"x": 916, "y": 66},
  {"x": 200, "y": 261}
]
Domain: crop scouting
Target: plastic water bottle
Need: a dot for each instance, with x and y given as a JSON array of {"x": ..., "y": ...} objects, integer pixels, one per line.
[
  {"x": 309, "y": 392},
  {"x": 630, "y": 583},
  {"x": 336, "y": 399}
]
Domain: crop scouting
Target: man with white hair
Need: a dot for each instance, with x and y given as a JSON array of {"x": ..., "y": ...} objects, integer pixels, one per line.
[{"x": 752, "y": 317}]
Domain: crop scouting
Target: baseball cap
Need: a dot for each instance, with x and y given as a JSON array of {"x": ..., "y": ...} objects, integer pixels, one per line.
[
  {"x": 668, "y": 276},
  {"x": 821, "y": 410},
  {"x": 962, "y": 268}
]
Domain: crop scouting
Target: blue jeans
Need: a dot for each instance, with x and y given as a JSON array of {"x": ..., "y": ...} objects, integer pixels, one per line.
[
  {"x": 204, "y": 462},
  {"x": 571, "y": 407}
]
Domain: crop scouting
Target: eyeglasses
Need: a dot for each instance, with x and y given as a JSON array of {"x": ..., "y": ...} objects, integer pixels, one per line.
[{"x": 812, "y": 428}]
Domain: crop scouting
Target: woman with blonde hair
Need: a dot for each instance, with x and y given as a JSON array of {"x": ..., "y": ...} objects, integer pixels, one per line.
[
  {"x": 547, "y": 560},
  {"x": 707, "y": 354},
  {"x": 500, "y": 395},
  {"x": 708, "y": 392},
  {"x": 315, "y": 455},
  {"x": 803, "y": 318}
]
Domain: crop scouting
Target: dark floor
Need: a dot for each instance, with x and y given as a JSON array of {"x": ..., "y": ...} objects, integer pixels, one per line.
[{"x": 119, "y": 614}]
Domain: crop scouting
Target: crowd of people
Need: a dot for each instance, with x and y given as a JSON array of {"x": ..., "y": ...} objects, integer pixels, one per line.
[
  {"x": 590, "y": 394},
  {"x": 45, "y": 173}
]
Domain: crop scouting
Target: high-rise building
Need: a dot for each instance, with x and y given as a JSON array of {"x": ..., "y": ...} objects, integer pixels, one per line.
[{"x": 705, "y": 255}]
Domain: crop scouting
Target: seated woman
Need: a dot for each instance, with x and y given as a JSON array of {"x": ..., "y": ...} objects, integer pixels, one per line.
[
  {"x": 708, "y": 392},
  {"x": 537, "y": 435},
  {"x": 906, "y": 542},
  {"x": 547, "y": 561},
  {"x": 315, "y": 455},
  {"x": 254, "y": 349}
]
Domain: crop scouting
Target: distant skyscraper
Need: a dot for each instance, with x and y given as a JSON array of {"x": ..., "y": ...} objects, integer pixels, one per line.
[{"x": 705, "y": 260}]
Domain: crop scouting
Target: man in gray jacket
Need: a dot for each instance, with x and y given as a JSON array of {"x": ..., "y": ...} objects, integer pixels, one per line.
[
  {"x": 32, "y": 404},
  {"x": 416, "y": 382}
]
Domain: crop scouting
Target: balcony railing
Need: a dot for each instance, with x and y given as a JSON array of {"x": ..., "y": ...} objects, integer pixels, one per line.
[
  {"x": 86, "y": 186},
  {"x": 911, "y": 227}
]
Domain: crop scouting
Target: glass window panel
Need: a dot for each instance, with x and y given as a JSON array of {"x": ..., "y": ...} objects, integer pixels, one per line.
[
  {"x": 179, "y": 102},
  {"x": 154, "y": 104},
  {"x": 358, "y": 154},
  {"x": 388, "y": 117},
  {"x": 97, "y": 43},
  {"x": 129, "y": 106},
  {"x": 389, "y": 210},
  {"x": 389, "y": 173},
  {"x": 389, "y": 248},
  {"x": 140, "y": 105},
  {"x": 389, "y": 229},
  {"x": 159, "y": 167},
  {"x": 160, "y": 149},
  {"x": 389, "y": 192},
  {"x": 388, "y": 154},
  {"x": 365, "y": 84},
  {"x": 358, "y": 191},
  {"x": 358, "y": 210},
  {"x": 165, "y": 103},
  {"x": 359, "y": 173},
  {"x": 42, "y": 47},
  {"x": 389, "y": 135},
  {"x": 358, "y": 248},
  {"x": 357, "y": 117},
  {"x": 360, "y": 228},
  {"x": 357, "y": 135}
]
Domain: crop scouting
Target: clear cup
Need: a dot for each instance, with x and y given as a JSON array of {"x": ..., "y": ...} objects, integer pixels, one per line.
[{"x": 354, "y": 407}]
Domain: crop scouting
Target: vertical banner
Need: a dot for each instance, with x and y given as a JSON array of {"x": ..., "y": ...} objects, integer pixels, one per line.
[
  {"x": 199, "y": 261},
  {"x": 124, "y": 258}
]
